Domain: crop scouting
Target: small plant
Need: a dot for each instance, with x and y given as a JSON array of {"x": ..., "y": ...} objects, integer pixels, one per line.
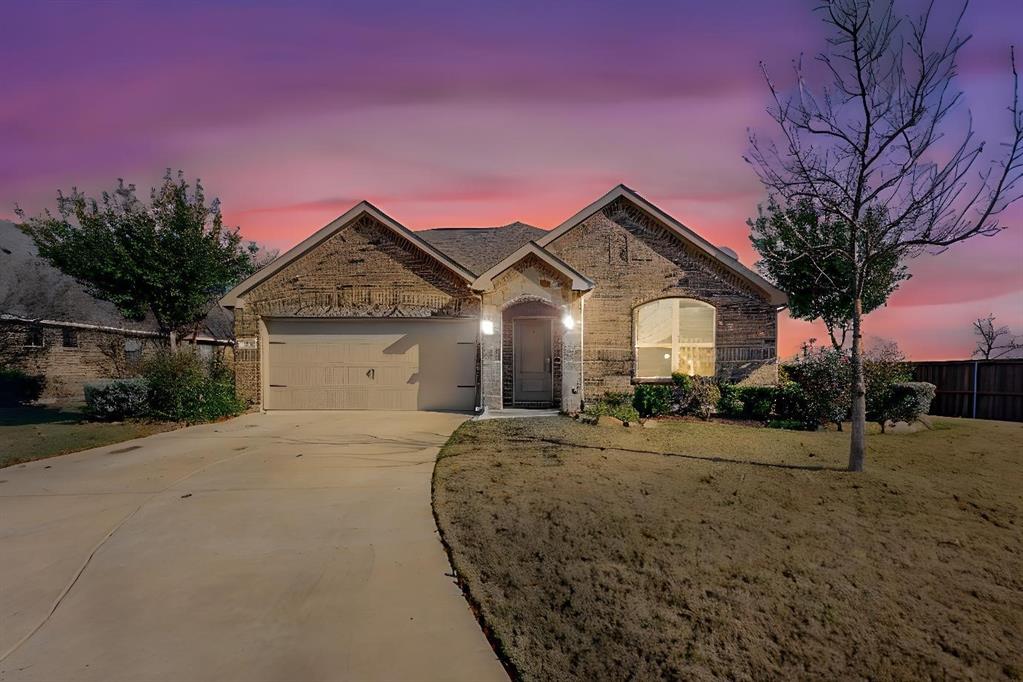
[
  {"x": 730, "y": 404},
  {"x": 18, "y": 387},
  {"x": 613, "y": 404},
  {"x": 825, "y": 376},
  {"x": 651, "y": 400},
  {"x": 704, "y": 397},
  {"x": 118, "y": 399},
  {"x": 905, "y": 402}
]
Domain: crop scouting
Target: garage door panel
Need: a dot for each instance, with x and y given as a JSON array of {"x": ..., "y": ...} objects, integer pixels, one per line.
[{"x": 379, "y": 364}]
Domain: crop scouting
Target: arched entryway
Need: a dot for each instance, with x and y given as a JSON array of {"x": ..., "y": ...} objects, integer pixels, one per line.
[{"x": 531, "y": 354}]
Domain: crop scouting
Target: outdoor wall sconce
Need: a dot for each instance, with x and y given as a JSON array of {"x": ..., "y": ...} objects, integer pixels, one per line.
[
  {"x": 568, "y": 321},
  {"x": 487, "y": 327}
]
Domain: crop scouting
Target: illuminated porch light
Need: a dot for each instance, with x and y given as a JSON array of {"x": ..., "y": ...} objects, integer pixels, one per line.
[
  {"x": 568, "y": 321},
  {"x": 487, "y": 327}
]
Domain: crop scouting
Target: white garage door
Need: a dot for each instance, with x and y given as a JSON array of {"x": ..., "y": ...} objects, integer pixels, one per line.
[{"x": 371, "y": 365}]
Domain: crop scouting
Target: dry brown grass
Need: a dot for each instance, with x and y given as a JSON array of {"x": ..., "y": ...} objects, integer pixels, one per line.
[{"x": 709, "y": 551}]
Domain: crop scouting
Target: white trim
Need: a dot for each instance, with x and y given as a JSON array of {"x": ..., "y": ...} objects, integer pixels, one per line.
[
  {"x": 233, "y": 298},
  {"x": 580, "y": 282},
  {"x": 774, "y": 295}
]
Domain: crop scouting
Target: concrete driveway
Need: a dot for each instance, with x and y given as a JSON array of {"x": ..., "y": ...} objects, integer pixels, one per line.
[{"x": 284, "y": 546}]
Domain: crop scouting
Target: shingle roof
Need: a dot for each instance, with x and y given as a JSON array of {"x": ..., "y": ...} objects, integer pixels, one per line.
[
  {"x": 479, "y": 248},
  {"x": 33, "y": 289}
]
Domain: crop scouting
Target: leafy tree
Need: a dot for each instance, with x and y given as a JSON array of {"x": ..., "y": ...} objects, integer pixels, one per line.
[
  {"x": 803, "y": 253},
  {"x": 873, "y": 151},
  {"x": 170, "y": 258},
  {"x": 994, "y": 342}
]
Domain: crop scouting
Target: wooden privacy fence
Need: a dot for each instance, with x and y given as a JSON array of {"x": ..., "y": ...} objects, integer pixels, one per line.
[{"x": 982, "y": 389}]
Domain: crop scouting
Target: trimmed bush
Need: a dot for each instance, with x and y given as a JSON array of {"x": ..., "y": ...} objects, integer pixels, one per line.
[
  {"x": 651, "y": 400},
  {"x": 790, "y": 405},
  {"x": 730, "y": 404},
  {"x": 18, "y": 387},
  {"x": 118, "y": 399},
  {"x": 183, "y": 387},
  {"x": 617, "y": 405},
  {"x": 905, "y": 401}
]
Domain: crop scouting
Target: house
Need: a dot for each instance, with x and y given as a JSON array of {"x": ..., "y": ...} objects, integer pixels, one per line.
[
  {"x": 367, "y": 314},
  {"x": 51, "y": 326}
]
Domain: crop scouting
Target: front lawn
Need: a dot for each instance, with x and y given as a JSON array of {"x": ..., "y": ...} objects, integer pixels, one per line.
[
  {"x": 29, "y": 433},
  {"x": 708, "y": 551}
]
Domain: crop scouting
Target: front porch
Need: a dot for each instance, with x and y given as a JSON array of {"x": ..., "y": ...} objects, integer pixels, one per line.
[{"x": 532, "y": 333}]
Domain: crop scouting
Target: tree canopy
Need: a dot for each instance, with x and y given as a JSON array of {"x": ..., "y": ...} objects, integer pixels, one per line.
[
  {"x": 170, "y": 257},
  {"x": 804, "y": 253}
]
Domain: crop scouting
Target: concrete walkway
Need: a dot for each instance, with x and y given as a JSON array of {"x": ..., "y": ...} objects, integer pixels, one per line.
[{"x": 283, "y": 547}]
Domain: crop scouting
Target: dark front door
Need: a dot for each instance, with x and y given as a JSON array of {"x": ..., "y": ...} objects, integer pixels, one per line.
[{"x": 532, "y": 358}]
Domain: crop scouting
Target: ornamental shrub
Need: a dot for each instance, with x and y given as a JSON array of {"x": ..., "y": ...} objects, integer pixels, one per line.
[
  {"x": 884, "y": 366},
  {"x": 904, "y": 402},
  {"x": 704, "y": 397},
  {"x": 730, "y": 404},
  {"x": 18, "y": 387},
  {"x": 651, "y": 400},
  {"x": 617, "y": 407},
  {"x": 118, "y": 399},
  {"x": 184, "y": 387},
  {"x": 825, "y": 376},
  {"x": 790, "y": 404}
]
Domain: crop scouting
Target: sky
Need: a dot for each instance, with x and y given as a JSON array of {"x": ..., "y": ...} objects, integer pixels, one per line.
[{"x": 461, "y": 114}]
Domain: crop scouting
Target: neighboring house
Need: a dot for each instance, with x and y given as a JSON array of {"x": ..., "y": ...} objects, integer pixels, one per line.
[
  {"x": 368, "y": 314},
  {"x": 50, "y": 325}
]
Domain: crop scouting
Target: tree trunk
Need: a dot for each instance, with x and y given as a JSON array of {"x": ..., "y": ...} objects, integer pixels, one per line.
[
  {"x": 858, "y": 444},
  {"x": 172, "y": 338}
]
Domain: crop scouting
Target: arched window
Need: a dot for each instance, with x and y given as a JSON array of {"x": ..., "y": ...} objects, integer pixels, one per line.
[{"x": 674, "y": 335}]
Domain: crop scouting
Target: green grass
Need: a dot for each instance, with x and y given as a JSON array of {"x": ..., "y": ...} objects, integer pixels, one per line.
[
  {"x": 30, "y": 433},
  {"x": 718, "y": 551}
]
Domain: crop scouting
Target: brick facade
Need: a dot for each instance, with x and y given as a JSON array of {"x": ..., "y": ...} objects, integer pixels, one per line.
[
  {"x": 363, "y": 270},
  {"x": 634, "y": 259},
  {"x": 98, "y": 354}
]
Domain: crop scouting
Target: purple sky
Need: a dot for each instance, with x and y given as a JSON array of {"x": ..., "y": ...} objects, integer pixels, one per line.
[{"x": 459, "y": 113}]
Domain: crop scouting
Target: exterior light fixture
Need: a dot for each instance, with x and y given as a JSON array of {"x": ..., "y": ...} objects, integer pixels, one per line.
[
  {"x": 568, "y": 321},
  {"x": 487, "y": 327}
]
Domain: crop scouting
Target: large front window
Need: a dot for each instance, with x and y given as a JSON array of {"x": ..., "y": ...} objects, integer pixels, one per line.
[{"x": 674, "y": 335}]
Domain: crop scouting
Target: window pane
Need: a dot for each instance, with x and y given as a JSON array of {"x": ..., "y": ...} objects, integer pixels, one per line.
[
  {"x": 70, "y": 337},
  {"x": 653, "y": 323},
  {"x": 653, "y": 362},
  {"x": 695, "y": 338}
]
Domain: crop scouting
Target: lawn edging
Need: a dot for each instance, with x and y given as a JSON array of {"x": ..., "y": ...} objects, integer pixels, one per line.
[{"x": 475, "y": 606}]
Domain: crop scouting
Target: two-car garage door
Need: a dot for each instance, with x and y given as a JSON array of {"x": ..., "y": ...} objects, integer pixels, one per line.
[{"x": 371, "y": 365}]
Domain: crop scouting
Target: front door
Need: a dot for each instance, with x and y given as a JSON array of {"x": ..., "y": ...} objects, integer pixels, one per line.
[{"x": 532, "y": 358}]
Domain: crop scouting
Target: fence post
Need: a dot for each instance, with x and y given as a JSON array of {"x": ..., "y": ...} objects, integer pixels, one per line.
[{"x": 975, "y": 389}]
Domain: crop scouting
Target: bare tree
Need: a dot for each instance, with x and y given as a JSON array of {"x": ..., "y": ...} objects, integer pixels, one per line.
[
  {"x": 872, "y": 148},
  {"x": 991, "y": 345}
]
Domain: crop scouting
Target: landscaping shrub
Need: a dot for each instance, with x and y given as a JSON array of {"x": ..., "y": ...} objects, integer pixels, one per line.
[
  {"x": 884, "y": 366},
  {"x": 790, "y": 405},
  {"x": 614, "y": 404},
  {"x": 825, "y": 376},
  {"x": 183, "y": 387},
  {"x": 904, "y": 401},
  {"x": 730, "y": 404},
  {"x": 704, "y": 397},
  {"x": 18, "y": 387},
  {"x": 118, "y": 399},
  {"x": 651, "y": 400}
]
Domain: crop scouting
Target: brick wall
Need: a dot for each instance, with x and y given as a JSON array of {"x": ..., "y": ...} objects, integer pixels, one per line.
[
  {"x": 634, "y": 259},
  {"x": 99, "y": 354},
  {"x": 363, "y": 270}
]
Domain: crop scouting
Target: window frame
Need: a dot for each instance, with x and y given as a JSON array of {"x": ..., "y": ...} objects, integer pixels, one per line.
[
  {"x": 674, "y": 345},
  {"x": 68, "y": 337},
  {"x": 33, "y": 332}
]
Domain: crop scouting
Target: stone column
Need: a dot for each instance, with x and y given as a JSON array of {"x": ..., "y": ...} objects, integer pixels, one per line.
[
  {"x": 490, "y": 348},
  {"x": 572, "y": 359}
]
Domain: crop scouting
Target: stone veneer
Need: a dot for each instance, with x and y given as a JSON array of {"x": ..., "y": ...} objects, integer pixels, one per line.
[
  {"x": 363, "y": 270},
  {"x": 635, "y": 259},
  {"x": 528, "y": 285}
]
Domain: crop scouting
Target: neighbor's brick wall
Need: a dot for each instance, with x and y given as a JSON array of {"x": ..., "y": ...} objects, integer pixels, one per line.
[
  {"x": 634, "y": 259},
  {"x": 364, "y": 270},
  {"x": 99, "y": 355}
]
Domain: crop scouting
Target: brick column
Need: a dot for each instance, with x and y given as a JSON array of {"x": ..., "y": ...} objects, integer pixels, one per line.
[{"x": 572, "y": 359}]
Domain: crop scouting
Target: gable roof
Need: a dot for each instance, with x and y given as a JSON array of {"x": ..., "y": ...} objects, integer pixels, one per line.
[
  {"x": 233, "y": 298},
  {"x": 32, "y": 289},
  {"x": 478, "y": 248},
  {"x": 579, "y": 281},
  {"x": 774, "y": 295}
]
